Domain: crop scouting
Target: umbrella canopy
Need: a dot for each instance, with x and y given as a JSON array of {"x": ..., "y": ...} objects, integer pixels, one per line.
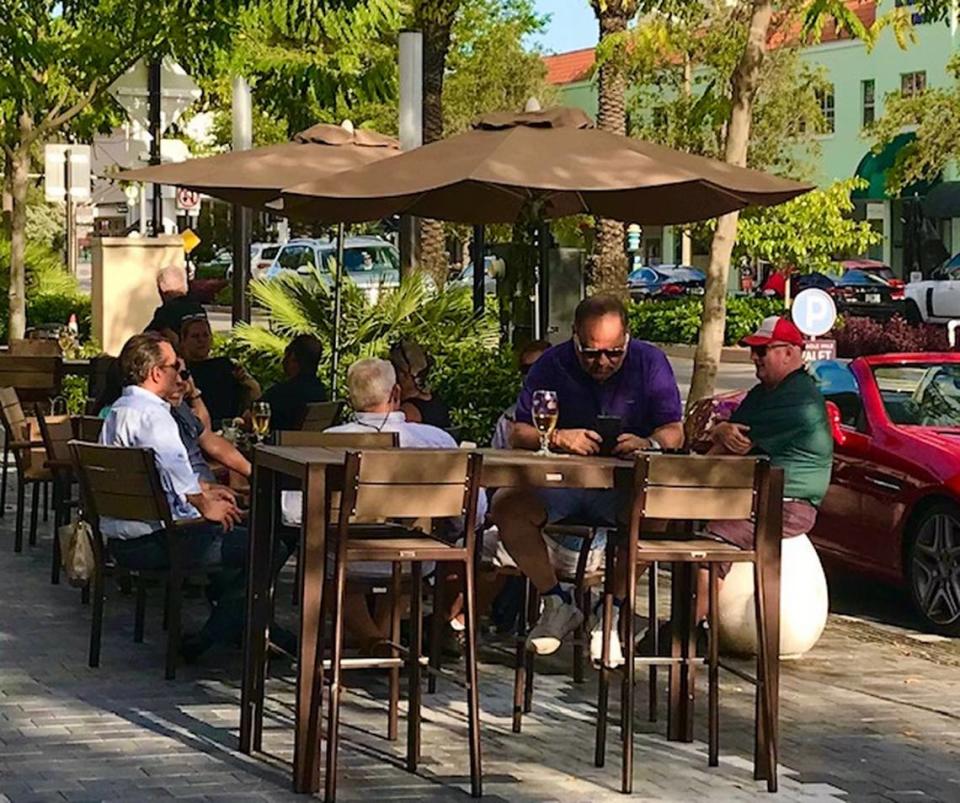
[
  {"x": 256, "y": 176},
  {"x": 556, "y": 156}
]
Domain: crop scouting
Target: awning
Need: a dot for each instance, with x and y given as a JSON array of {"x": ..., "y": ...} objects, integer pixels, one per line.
[
  {"x": 943, "y": 200},
  {"x": 874, "y": 167}
]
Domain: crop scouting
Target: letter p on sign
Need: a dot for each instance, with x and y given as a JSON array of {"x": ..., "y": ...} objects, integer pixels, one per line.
[{"x": 814, "y": 312}]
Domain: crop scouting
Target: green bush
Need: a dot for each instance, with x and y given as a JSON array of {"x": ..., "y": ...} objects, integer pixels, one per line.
[{"x": 679, "y": 320}]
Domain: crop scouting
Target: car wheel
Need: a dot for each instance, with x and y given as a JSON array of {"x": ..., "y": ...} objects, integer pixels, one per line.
[
  {"x": 933, "y": 568},
  {"x": 913, "y": 312}
]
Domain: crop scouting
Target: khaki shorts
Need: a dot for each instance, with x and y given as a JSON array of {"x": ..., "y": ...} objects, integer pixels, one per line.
[{"x": 563, "y": 559}]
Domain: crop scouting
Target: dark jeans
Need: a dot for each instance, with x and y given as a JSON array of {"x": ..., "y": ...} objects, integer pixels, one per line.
[{"x": 204, "y": 545}]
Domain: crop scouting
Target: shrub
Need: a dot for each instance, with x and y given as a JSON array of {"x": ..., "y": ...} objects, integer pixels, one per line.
[
  {"x": 860, "y": 336},
  {"x": 679, "y": 320}
]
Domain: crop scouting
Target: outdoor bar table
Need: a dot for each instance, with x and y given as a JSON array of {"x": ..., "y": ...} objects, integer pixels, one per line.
[{"x": 320, "y": 471}]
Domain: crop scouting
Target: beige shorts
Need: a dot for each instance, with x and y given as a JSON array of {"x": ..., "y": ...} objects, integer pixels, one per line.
[{"x": 563, "y": 559}]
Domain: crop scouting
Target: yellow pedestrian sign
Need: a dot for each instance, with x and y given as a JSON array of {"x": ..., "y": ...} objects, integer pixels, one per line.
[{"x": 190, "y": 240}]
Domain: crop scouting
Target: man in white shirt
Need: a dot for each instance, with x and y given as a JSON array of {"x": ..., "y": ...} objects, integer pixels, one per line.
[
  {"x": 375, "y": 396},
  {"x": 141, "y": 418}
]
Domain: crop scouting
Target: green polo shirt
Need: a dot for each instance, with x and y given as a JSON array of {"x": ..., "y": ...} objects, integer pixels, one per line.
[{"x": 789, "y": 424}]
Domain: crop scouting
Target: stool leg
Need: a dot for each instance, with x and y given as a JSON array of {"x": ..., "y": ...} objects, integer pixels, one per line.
[
  {"x": 582, "y": 633},
  {"x": 96, "y": 620},
  {"x": 140, "y": 610},
  {"x": 34, "y": 511},
  {"x": 393, "y": 716},
  {"x": 713, "y": 681},
  {"x": 629, "y": 670},
  {"x": 654, "y": 624},
  {"x": 18, "y": 527},
  {"x": 175, "y": 598},
  {"x": 3, "y": 480},
  {"x": 520, "y": 665},
  {"x": 333, "y": 712},
  {"x": 473, "y": 690},
  {"x": 46, "y": 502},
  {"x": 603, "y": 683},
  {"x": 532, "y": 615},
  {"x": 436, "y": 630},
  {"x": 59, "y": 516},
  {"x": 413, "y": 667}
]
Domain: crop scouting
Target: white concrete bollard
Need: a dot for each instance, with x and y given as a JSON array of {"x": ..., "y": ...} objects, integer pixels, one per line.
[{"x": 804, "y": 602}]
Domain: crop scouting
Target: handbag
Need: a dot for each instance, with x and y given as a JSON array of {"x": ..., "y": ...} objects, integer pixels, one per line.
[{"x": 76, "y": 552}]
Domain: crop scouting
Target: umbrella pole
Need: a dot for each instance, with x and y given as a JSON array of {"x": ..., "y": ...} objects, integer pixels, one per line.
[
  {"x": 543, "y": 281},
  {"x": 337, "y": 282},
  {"x": 479, "y": 270}
]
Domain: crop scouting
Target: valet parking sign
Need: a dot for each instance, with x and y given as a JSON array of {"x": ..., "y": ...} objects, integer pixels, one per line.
[{"x": 814, "y": 313}]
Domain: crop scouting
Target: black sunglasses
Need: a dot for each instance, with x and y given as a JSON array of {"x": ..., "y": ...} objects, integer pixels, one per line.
[
  {"x": 761, "y": 351},
  {"x": 183, "y": 373}
]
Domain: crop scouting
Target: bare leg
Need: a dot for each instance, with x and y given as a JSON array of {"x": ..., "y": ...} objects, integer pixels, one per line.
[{"x": 520, "y": 516}]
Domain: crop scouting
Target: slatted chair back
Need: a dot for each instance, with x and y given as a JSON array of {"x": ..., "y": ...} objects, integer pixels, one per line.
[
  {"x": 416, "y": 484},
  {"x": 36, "y": 379},
  {"x": 339, "y": 440},
  {"x": 87, "y": 428},
  {"x": 35, "y": 347},
  {"x": 685, "y": 487},
  {"x": 119, "y": 483},
  {"x": 20, "y": 429},
  {"x": 321, "y": 415},
  {"x": 56, "y": 432}
]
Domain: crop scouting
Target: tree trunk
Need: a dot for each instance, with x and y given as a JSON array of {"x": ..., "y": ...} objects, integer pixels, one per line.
[
  {"x": 20, "y": 166},
  {"x": 608, "y": 266},
  {"x": 436, "y": 23},
  {"x": 744, "y": 87}
]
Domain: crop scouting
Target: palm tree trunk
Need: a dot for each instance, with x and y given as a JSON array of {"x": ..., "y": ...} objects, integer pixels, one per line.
[
  {"x": 436, "y": 20},
  {"x": 609, "y": 262},
  {"x": 20, "y": 166},
  {"x": 744, "y": 87}
]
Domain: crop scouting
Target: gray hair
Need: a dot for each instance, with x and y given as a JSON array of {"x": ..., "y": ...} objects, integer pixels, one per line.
[
  {"x": 172, "y": 279},
  {"x": 370, "y": 382},
  {"x": 140, "y": 355}
]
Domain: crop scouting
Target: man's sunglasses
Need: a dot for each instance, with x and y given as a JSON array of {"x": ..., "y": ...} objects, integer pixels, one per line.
[
  {"x": 761, "y": 351},
  {"x": 596, "y": 354},
  {"x": 183, "y": 373}
]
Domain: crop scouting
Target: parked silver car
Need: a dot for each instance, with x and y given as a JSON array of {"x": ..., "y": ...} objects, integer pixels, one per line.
[{"x": 371, "y": 263}]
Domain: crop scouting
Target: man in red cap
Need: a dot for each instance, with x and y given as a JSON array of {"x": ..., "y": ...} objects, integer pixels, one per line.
[{"x": 785, "y": 418}]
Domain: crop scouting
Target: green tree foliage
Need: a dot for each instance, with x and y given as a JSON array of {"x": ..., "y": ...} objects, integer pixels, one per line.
[{"x": 809, "y": 232}]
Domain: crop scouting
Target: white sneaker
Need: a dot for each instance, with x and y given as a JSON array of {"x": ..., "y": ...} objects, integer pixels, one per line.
[
  {"x": 556, "y": 620},
  {"x": 596, "y": 642}
]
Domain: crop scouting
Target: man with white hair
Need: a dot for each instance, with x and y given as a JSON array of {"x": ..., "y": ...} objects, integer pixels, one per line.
[
  {"x": 176, "y": 302},
  {"x": 375, "y": 398}
]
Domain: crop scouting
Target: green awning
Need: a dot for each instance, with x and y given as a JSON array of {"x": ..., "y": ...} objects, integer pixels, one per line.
[{"x": 874, "y": 167}]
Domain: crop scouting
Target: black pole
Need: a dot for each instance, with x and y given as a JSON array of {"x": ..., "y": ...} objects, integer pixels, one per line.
[
  {"x": 153, "y": 99},
  {"x": 543, "y": 280},
  {"x": 242, "y": 232},
  {"x": 337, "y": 284},
  {"x": 477, "y": 248}
]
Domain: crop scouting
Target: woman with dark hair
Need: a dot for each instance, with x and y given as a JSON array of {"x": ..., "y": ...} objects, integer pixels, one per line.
[
  {"x": 111, "y": 390},
  {"x": 418, "y": 403}
]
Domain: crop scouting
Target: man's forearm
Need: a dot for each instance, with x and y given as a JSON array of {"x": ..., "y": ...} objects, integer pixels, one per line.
[
  {"x": 524, "y": 436},
  {"x": 669, "y": 436},
  {"x": 220, "y": 449}
]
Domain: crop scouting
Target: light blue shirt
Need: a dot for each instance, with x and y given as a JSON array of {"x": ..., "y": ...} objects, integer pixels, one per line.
[{"x": 141, "y": 419}]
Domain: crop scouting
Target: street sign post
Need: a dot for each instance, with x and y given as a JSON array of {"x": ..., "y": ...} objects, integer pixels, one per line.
[
  {"x": 66, "y": 177},
  {"x": 187, "y": 200}
]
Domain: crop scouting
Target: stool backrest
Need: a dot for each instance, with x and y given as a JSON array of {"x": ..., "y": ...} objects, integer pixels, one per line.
[
  {"x": 18, "y": 427},
  {"x": 36, "y": 379},
  {"x": 411, "y": 484},
  {"x": 321, "y": 415},
  {"x": 120, "y": 483},
  {"x": 57, "y": 432},
  {"x": 87, "y": 428},
  {"x": 699, "y": 487},
  {"x": 35, "y": 347},
  {"x": 339, "y": 440}
]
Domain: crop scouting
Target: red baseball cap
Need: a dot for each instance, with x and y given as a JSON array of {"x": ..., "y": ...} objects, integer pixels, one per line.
[{"x": 775, "y": 330}]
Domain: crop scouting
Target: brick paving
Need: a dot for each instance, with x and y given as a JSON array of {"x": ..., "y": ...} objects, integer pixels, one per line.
[{"x": 869, "y": 715}]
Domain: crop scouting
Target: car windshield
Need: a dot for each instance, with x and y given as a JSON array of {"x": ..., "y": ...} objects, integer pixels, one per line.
[
  {"x": 360, "y": 259},
  {"x": 925, "y": 395},
  {"x": 862, "y": 278}
]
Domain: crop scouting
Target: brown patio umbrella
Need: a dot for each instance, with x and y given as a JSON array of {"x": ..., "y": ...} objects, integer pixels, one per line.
[
  {"x": 255, "y": 177},
  {"x": 556, "y": 156}
]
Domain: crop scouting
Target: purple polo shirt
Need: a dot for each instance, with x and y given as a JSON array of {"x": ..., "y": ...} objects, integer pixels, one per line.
[{"x": 643, "y": 392}]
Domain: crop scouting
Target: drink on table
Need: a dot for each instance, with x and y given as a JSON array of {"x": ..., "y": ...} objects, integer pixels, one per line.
[
  {"x": 261, "y": 419},
  {"x": 545, "y": 410}
]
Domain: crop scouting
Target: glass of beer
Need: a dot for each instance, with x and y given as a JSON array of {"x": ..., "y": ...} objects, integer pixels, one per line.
[
  {"x": 261, "y": 420},
  {"x": 546, "y": 410}
]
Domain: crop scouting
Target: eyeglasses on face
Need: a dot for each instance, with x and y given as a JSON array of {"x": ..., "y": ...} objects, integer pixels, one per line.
[
  {"x": 596, "y": 354},
  {"x": 761, "y": 351},
  {"x": 183, "y": 373}
]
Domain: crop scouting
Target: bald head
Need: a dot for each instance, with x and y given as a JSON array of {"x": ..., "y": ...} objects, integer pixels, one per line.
[{"x": 171, "y": 282}]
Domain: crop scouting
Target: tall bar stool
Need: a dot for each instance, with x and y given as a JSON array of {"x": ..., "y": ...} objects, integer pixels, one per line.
[
  {"x": 678, "y": 487},
  {"x": 29, "y": 455},
  {"x": 403, "y": 484}
]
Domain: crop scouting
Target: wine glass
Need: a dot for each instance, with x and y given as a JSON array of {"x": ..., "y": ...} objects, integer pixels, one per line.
[
  {"x": 546, "y": 410},
  {"x": 261, "y": 420}
]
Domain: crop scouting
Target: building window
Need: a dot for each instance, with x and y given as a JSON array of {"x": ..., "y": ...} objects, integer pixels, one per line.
[
  {"x": 913, "y": 83},
  {"x": 868, "y": 102},
  {"x": 825, "y": 100}
]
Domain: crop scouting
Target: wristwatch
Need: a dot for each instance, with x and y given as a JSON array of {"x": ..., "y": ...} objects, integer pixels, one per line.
[{"x": 654, "y": 446}]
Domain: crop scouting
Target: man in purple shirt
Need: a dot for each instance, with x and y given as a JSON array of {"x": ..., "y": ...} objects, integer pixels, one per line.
[{"x": 598, "y": 372}]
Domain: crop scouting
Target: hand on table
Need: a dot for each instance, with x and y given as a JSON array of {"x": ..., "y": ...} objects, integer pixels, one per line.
[
  {"x": 732, "y": 437},
  {"x": 222, "y": 492},
  {"x": 576, "y": 441},
  {"x": 628, "y": 444},
  {"x": 219, "y": 510}
]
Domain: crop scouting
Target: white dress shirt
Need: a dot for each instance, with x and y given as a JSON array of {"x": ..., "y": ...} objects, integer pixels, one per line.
[{"x": 140, "y": 418}]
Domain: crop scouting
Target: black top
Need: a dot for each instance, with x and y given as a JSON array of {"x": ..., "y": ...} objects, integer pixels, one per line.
[
  {"x": 288, "y": 401},
  {"x": 171, "y": 313},
  {"x": 432, "y": 411},
  {"x": 222, "y": 393},
  {"x": 191, "y": 428}
]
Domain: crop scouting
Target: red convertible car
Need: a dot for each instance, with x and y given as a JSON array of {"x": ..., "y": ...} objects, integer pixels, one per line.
[{"x": 892, "y": 512}]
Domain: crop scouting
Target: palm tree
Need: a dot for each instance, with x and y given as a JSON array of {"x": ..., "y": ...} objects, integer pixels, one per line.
[
  {"x": 435, "y": 19},
  {"x": 609, "y": 263}
]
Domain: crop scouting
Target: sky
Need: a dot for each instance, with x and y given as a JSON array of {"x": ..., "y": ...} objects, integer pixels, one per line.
[{"x": 572, "y": 25}]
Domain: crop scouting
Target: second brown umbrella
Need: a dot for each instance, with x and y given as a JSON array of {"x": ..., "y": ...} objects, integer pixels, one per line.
[
  {"x": 255, "y": 177},
  {"x": 554, "y": 157}
]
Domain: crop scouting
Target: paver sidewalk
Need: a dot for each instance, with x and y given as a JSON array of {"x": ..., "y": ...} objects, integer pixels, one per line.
[{"x": 869, "y": 715}]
